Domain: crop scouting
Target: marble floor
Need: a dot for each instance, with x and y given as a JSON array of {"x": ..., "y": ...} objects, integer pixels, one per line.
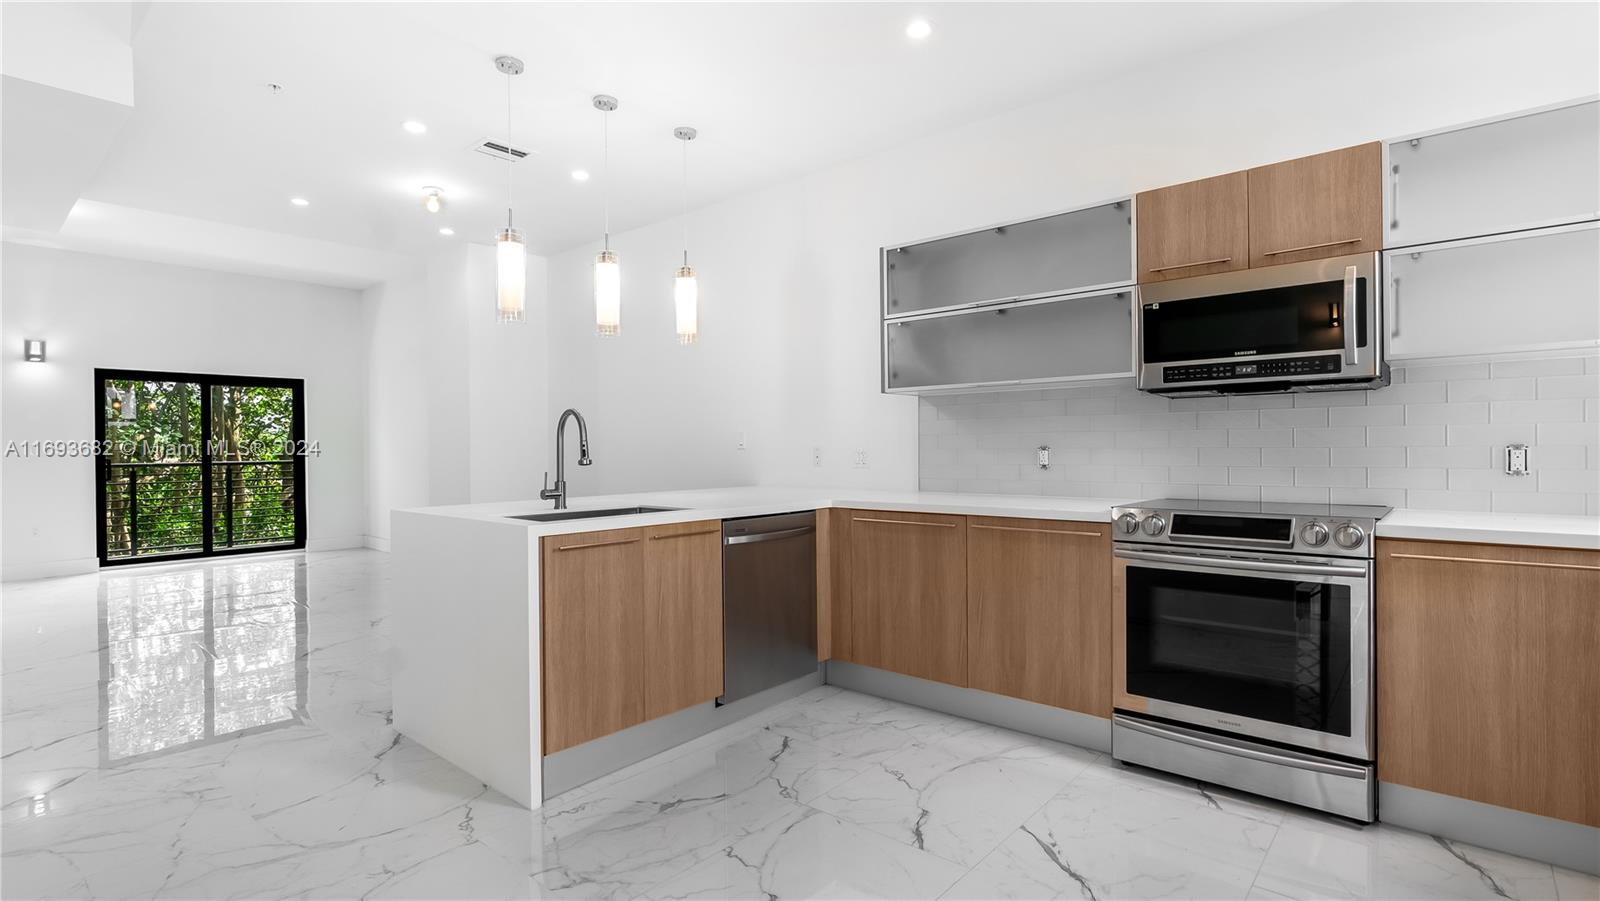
[{"x": 223, "y": 731}]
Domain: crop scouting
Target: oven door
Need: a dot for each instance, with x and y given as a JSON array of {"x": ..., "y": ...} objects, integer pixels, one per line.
[
  {"x": 1298, "y": 322},
  {"x": 1272, "y": 646}
]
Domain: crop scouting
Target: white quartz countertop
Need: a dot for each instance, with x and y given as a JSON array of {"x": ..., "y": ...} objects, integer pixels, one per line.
[{"x": 730, "y": 503}]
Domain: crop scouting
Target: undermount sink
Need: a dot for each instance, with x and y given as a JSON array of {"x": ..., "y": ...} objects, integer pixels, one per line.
[{"x": 562, "y": 515}]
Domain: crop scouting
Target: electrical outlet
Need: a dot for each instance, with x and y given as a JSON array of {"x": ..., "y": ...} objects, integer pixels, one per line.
[
  {"x": 816, "y": 456},
  {"x": 861, "y": 459},
  {"x": 1042, "y": 456},
  {"x": 1517, "y": 460}
]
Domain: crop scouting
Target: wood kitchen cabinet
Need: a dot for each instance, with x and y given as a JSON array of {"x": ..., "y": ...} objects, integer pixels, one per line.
[
  {"x": 1196, "y": 228},
  {"x": 908, "y": 592},
  {"x": 1039, "y": 611},
  {"x": 1326, "y": 205},
  {"x": 632, "y": 627},
  {"x": 682, "y": 616},
  {"x": 1487, "y": 683},
  {"x": 593, "y": 637}
]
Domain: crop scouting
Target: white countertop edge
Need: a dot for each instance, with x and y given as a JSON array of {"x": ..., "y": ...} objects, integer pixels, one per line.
[{"x": 732, "y": 503}]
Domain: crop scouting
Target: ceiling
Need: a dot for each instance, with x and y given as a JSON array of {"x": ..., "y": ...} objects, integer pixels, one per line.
[{"x": 776, "y": 90}]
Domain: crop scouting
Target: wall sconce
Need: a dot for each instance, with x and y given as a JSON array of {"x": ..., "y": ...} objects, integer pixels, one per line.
[{"x": 33, "y": 350}]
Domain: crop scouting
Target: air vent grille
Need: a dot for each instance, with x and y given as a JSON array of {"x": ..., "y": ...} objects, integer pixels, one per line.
[{"x": 500, "y": 151}]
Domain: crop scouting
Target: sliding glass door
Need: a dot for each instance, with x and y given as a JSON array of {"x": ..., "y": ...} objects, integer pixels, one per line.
[{"x": 195, "y": 465}]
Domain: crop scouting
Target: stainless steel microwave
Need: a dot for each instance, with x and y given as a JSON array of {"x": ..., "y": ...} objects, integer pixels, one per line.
[{"x": 1312, "y": 326}]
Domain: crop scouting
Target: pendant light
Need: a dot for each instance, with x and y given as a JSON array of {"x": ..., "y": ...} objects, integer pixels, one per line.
[
  {"x": 510, "y": 257},
  {"x": 607, "y": 270},
  {"x": 685, "y": 286}
]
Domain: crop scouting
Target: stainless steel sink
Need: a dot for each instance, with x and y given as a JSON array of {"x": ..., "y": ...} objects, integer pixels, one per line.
[{"x": 563, "y": 515}]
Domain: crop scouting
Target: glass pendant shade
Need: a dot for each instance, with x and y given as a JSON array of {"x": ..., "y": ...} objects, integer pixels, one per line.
[
  {"x": 686, "y": 300},
  {"x": 607, "y": 294},
  {"x": 511, "y": 265}
]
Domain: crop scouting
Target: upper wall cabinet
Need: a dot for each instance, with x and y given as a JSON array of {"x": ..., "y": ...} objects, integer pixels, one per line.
[
  {"x": 1526, "y": 291},
  {"x": 1525, "y": 171},
  {"x": 1071, "y": 252},
  {"x": 1326, "y": 205},
  {"x": 1196, "y": 228}
]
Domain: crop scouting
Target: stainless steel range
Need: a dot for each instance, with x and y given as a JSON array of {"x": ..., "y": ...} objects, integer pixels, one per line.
[{"x": 1243, "y": 647}]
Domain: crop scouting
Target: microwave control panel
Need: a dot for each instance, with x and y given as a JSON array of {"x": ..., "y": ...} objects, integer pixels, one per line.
[{"x": 1252, "y": 369}]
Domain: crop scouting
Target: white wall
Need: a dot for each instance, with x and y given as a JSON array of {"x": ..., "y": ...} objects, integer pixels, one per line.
[
  {"x": 99, "y": 311},
  {"x": 789, "y": 348},
  {"x": 456, "y": 403}
]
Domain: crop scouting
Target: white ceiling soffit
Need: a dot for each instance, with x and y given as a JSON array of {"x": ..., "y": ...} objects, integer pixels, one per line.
[
  {"x": 121, "y": 231},
  {"x": 777, "y": 90}
]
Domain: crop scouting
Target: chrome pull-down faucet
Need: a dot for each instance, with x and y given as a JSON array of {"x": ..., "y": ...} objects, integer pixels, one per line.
[{"x": 559, "y": 493}]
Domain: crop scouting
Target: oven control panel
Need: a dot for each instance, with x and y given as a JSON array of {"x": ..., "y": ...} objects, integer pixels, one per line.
[
  {"x": 1252, "y": 369},
  {"x": 1323, "y": 530}
]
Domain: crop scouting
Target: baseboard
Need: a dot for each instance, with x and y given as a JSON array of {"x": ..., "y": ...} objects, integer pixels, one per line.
[
  {"x": 684, "y": 730},
  {"x": 51, "y": 570},
  {"x": 376, "y": 543},
  {"x": 1068, "y": 726},
  {"x": 1571, "y": 845},
  {"x": 335, "y": 544}
]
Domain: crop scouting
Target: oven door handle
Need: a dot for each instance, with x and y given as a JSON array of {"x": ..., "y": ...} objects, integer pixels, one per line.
[
  {"x": 1260, "y": 566},
  {"x": 1240, "y": 749}
]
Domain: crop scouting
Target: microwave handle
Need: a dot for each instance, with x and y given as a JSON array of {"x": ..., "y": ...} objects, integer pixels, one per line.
[{"x": 1352, "y": 352}]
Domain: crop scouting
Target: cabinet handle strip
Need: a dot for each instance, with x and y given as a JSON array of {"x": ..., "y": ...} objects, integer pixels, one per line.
[
  {"x": 686, "y": 534},
  {"x": 1273, "y": 253},
  {"x": 579, "y": 547},
  {"x": 1196, "y": 263},
  {"x": 1490, "y": 560},
  {"x": 907, "y": 522},
  {"x": 1043, "y": 531}
]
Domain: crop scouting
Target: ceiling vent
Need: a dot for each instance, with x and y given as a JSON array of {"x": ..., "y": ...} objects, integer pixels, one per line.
[{"x": 500, "y": 151}]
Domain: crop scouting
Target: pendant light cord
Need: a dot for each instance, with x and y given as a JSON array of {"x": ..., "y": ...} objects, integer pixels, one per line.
[
  {"x": 605, "y": 163},
  {"x": 509, "y": 145},
  {"x": 683, "y": 209}
]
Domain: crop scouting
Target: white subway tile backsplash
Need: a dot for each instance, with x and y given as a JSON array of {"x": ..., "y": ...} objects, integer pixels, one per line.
[
  {"x": 1557, "y": 386},
  {"x": 1561, "y": 504},
  {"x": 1331, "y": 476},
  {"x": 1347, "y": 436},
  {"x": 1230, "y": 456},
  {"x": 1569, "y": 409},
  {"x": 1507, "y": 369},
  {"x": 1405, "y": 435},
  {"x": 1492, "y": 389},
  {"x": 1261, "y": 475},
  {"x": 1447, "y": 414},
  {"x": 1433, "y": 439},
  {"x": 1230, "y": 419},
  {"x": 1339, "y": 417},
  {"x": 1294, "y": 456},
  {"x": 1447, "y": 372},
  {"x": 1297, "y": 417},
  {"x": 1260, "y": 437},
  {"x": 1419, "y": 393}
]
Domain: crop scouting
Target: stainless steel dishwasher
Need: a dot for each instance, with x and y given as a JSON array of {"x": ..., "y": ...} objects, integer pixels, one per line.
[{"x": 769, "y": 602}]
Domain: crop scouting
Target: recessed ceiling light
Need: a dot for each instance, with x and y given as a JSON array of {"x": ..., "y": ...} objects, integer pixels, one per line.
[
  {"x": 299, "y": 201},
  {"x": 414, "y": 127},
  {"x": 447, "y": 232},
  {"x": 919, "y": 29},
  {"x": 580, "y": 175}
]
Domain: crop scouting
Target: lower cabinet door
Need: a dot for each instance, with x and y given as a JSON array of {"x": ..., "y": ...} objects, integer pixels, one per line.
[
  {"x": 909, "y": 594},
  {"x": 593, "y": 635},
  {"x": 682, "y": 616},
  {"x": 1039, "y": 611},
  {"x": 1488, "y": 682}
]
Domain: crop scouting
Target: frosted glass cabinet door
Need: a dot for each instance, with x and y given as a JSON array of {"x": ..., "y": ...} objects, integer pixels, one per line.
[
  {"x": 1537, "y": 289},
  {"x": 1076, "y": 337},
  {"x": 1077, "y": 251},
  {"x": 1526, "y": 172}
]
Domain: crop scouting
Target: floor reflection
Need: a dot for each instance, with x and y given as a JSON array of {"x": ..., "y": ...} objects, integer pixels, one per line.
[{"x": 195, "y": 655}]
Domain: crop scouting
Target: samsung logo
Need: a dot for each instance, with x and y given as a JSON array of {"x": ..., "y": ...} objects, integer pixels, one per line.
[
  {"x": 1244, "y": 353},
  {"x": 1223, "y": 722}
]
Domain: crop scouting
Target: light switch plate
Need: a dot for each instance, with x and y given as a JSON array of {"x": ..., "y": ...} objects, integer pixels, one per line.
[{"x": 1516, "y": 460}]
